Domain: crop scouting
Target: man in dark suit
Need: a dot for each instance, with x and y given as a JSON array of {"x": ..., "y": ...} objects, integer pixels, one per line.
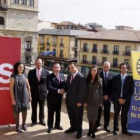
[
  {"x": 37, "y": 80},
  {"x": 56, "y": 88},
  {"x": 123, "y": 87},
  {"x": 107, "y": 78},
  {"x": 76, "y": 91}
]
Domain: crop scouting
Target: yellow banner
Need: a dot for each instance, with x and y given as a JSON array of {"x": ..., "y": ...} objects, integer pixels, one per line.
[{"x": 135, "y": 64}]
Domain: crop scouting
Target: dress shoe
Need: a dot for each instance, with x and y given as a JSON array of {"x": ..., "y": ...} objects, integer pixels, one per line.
[
  {"x": 18, "y": 129},
  {"x": 49, "y": 130},
  {"x": 127, "y": 133},
  {"x": 24, "y": 127},
  {"x": 59, "y": 128},
  {"x": 33, "y": 124},
  {"x": 93, "y": 135},
  {"x": 78, "y": 136},
  {"x": 89, "y": 133},
  {"x": 115, "y": 132},
  {"x": 107, "y": 129},
  {"x": 70, "y": 130},
  {"x": 43, "y": 123}
]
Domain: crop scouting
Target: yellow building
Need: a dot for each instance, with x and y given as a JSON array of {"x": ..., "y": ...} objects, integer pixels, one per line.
[
  {"x": 58, "y": 45},
  {"x": 114, "y": 46}
]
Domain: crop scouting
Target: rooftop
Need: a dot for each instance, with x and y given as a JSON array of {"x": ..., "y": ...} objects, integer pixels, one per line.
[{"x": 114, "y": 35}]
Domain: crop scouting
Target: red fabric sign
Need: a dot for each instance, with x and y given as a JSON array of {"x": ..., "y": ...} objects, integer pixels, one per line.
[{"x": 10, "y": 51}]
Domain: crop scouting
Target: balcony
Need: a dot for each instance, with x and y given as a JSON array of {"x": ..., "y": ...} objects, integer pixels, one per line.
[
  {"x": 115, "y": 65},
  {"x": 28, "y": 50},
  {"x": 127, "y": 53},
  {"x": 84, "y": 61},
  {"x": 62, "y": 44},
  {"x": 94, "y": 50},
  {"x": 41, "y": 43},
  {"x": 61, "y": 55},
  {"x": 116, "y": 52},
  {"x": 105, "y": 51},
  {"x": 85, "y": 50},
  {"x": 48, "y": 43},
  {"x": 54, "y": 44}
]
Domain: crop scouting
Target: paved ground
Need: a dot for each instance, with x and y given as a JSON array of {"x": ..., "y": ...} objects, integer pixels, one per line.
[{"x": 38, "y": 132}]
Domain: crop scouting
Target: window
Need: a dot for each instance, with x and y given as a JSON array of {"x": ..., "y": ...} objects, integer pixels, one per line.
[
  {"x": 61, "y": 53},
  {"x": 94, "y": 59},
  {"x": 127, "y": 61},
  {"x": 54, "y": 40},
  {"x": 84, "y": 58},
  {"x": 127, "y": 49},
  {"x": 41, "y": 39},
  {"x": 115, "y": 62},
  {"x": 4, "y": 1},
  {"x": 16, "y": 1},
  {"x": 105, "y": 47},
  {"x": 31, "y": 2},
  {"x": 61, "y": 40},
  {"x": 94, "y": 46},
  {"x": 116, "y": 48},
  {"x": 85, "y": 45},
  {"x": 104, "y": 59},
  {"x": 24, "y": 2},
  {"x": 28, "y": 44},
  {"x": 1, "y": 21},
  {"x": 48, "y": 49}
]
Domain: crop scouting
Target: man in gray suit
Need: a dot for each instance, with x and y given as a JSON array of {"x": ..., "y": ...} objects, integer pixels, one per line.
[{"x": 76, "y": 91}]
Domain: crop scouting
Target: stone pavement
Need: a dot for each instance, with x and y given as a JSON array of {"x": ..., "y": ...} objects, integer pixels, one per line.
[{"x": 38, "y": 132}]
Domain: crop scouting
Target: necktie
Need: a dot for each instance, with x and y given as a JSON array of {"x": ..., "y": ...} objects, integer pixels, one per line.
[
  {"x": 38, "y": 75},
  {"x": 105, "y": 78},
  {"x": 57, "y": 76},
  {"x": 71, "y": 78},
  {"x": 123, "y": 78}
]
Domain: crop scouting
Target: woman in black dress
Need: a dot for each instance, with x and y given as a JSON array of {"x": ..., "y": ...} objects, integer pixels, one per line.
[
  {"x": 93, "y": 98},
  {"x": 20, "y": 94}
]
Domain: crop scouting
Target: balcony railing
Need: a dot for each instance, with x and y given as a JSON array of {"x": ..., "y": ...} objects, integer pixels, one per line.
[
  {"x": 61, "y": 44},
  {"x": 85, "y": 50},
  {"x": 28, "y": 50},
  {"x": 61, "y": 55},
  {"x": 116, "y": 52},
  {"x": 54, "y": 44},
  {"x": 41, "y": 42},
  {"x": 105, "y": 51},
  {"x": 115, "y": 65},
  {"x": 127, "y": 53},
  {"x": 94, "y": 50},
  {"x": 48, "y": 43}
]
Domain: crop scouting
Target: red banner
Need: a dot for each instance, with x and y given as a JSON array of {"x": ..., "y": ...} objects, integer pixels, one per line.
[{"x": 10, "y": 50}]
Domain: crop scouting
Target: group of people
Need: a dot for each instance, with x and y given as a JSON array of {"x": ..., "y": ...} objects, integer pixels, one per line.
[{"x": 94, "y": 92}]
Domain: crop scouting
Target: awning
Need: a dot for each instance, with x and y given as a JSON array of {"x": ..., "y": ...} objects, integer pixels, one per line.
[{"x": 48, "y": 53}]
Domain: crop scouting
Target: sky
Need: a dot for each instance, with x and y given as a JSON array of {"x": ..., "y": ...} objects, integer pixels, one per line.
[{"x": 109, "y": 13}]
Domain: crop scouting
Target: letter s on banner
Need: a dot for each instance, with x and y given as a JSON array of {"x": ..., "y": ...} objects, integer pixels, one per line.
[{"x": 5, "y": 72}]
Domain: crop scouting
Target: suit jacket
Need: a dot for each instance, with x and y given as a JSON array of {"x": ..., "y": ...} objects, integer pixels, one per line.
[
  {"x": 107, "y": 88},
  {"x": 76, "y": 90},
  {"x": 128, "y": 88},
  {"x": 38, "y": 88},
  {"x": 53, "y": 85}
]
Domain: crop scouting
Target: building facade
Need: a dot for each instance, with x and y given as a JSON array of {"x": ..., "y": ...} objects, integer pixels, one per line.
[
  {"x": 114, "y": 46},
  {"x": 59, "y": 45},
  {"x": 19, "y": 18}
]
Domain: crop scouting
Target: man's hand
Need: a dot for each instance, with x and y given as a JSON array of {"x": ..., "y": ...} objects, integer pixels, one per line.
[
  {"x": 79, "y": 104},
  {"x": 62, "y": 91},
  {"x": 105, "y": 97},
  {"x": 85, "y": 105},
  {"x": 121, "y": 101}
]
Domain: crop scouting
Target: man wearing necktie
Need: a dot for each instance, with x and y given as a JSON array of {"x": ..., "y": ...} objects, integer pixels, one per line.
[
  {"x": 107, "y": 78},
  {"x": 76, "y": 91},
  {"x": 56, "y": 88},
  {"x": 38, "y": 83},
  {"x": 123, "y": 87}
]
